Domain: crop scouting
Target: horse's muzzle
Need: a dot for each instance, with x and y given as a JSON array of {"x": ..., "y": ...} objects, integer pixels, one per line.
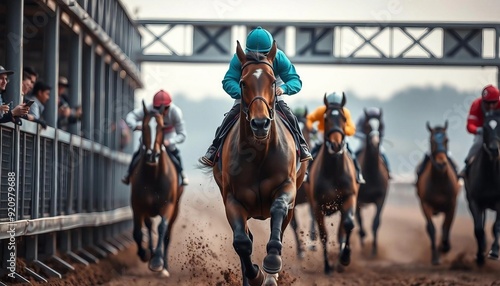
[{"x": 260, "y": 127}]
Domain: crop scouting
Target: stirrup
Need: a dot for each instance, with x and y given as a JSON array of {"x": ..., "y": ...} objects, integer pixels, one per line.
[
  {"x": 205, "y": 161},
  {"x": 126, "y": 180}
]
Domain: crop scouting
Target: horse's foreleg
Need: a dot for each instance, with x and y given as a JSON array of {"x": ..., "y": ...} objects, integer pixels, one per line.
[
  {"x": 347, "y": 224},
  {"x": 300, "y": 249},
  {"x": 243, "y": 242},
  {"x": 320, "y": 220},
  {"x": 149, "y": 225},
  {"x": 362, "y": 232},
  {"x": 493, "y": 254},
  {"x": 137, "y": 234},
  {"x": 280, "y": 217},
  {"x": 445, "y": 240},
  {"x": 375, "y": 226},
  {"x": 312, "y": 230},
  {"x": 431, "y": 231},
  {"x": 478, "y": 216},
  {"x": 156, "y": 263}
]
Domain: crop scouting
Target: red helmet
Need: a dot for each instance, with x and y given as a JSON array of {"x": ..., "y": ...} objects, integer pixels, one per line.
[
  {"x": 490, "y": 93},
  {"x": 162, "y": 97}
]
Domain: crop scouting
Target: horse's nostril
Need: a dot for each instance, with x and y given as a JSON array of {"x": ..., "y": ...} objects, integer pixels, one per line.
[{"x": 260, "y": 124}]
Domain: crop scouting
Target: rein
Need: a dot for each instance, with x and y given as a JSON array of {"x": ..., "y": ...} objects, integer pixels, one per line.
[{"x": 247, "y": 108}]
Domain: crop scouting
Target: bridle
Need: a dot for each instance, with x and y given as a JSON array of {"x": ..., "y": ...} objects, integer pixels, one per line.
[
  {"x": 269, "y": 108},
  {"x": 334, "y": 129}
]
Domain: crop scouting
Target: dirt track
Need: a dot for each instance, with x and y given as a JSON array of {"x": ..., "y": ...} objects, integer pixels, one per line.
[{"x": 202, "y": 253}]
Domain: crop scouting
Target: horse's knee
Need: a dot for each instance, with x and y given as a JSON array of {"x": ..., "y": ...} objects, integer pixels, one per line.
[
  {"x": 280, "y": 206},
  {"x": 348, "y": 223},
  {"x": 242, "y": 245}
]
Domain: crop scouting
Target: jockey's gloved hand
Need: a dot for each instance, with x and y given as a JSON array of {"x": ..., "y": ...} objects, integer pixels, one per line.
[
  {"x": 479, "y": 131},
  {"x": 314, "y": 131}
]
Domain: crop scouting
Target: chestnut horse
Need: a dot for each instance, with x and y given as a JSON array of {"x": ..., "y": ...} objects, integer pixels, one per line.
[
  {"x": 438, "y": 188},
  {"x": 301, "y": 197},
  {"x": 373, "y": 168},
  {"x": 482, "y": 186},
  {"x": 333, "y": 186},
  {"x": 155, "y": 192},
  {"x": 257, "y": 174}
]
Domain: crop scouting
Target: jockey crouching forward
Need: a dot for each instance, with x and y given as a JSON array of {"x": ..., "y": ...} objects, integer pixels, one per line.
[{"x": 173, "y": 131}]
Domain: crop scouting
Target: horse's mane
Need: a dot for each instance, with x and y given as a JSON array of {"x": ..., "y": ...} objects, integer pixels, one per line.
[{"x": 255, "y": 56}]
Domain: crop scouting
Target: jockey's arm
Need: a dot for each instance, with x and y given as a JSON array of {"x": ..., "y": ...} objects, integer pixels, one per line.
[
  {"x": 315, "y": 115},
  {"x": 134, "y": 118},
  {"x": 179, "y": 126},
  {"x": 473, "y": 119},
  {"x": 231, "y": 81},
  {"x": 287, "y": 73},
  {"x": 350, "y": 128}
]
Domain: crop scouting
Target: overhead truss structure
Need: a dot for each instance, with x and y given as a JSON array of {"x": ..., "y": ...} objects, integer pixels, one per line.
[{"x": 357, "y": 43}]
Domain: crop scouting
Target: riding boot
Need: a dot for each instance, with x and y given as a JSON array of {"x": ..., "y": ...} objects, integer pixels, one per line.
[
  {"x": 305, "y": 155},
  {"x": 178, "y": 165},
  {"x": 465, "y": 170},
  {"x": 421, "y": 167},
  {"x": 359, "y": 175},
  {"x": 229, "y": 119},
  {"x": 386, "y": 163},
  {"x": 131, "y": 167}
]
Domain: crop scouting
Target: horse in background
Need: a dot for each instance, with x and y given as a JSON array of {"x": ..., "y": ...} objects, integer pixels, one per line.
[
  {"x": 259, "y": 171},
  {"x": 155, "y": 191},
  {"x": 301, "y": 197},
  {"x": 482, "y": 186},
  {"x": 333, "y": 185},
  {"x": 438, "y": 188},
  {"x": 376, "y": 175}
]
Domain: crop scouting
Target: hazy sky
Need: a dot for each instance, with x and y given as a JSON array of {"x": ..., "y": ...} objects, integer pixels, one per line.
[{"x": 199, "y": 81}]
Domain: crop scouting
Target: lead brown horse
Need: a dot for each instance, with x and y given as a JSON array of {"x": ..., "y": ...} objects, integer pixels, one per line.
[
  {"x": 258, "y": 174},
  {"x": 482, "y": 186},
  {"x": 155, "y": 192},
  {"x": 374, "y": 191},
  {"x": 333, "y": 185},
  {"x": 438, "y": 188}
]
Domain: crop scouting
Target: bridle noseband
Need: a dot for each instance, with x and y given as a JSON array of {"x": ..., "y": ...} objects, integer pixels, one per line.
[
  {"x": 269, "y": 108},
  {"x": 337, "y": 129}
]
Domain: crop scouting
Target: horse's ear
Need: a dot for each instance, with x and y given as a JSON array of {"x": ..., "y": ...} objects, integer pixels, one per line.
[
  {"x": 365, "y": 112},
  {"x": 446, "y": 124},
  {"x": 305, "y": 111},
  {"x": 344, "y": 99},
  {"x": 272, "y": 53},
  {"x": 429, "y": 126},
  {"x": 380, "y": 111},
  {"x": 324, "y": 100},
  {"x": 144, "y": 107},
  {"x": 162, "y": 109},
  {"x": 239, "y": 52}
]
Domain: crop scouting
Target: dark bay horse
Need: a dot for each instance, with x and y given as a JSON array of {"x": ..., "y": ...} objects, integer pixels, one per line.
[
  {"x": 482, "y": 186},
  {"x": 301, "y": 197},
  {"x": 155, "y": 192},
  {"x": 438, "y": 188},
  {"x": 372, "y": 166},
  {"x": 257, "y": 174},
  {"x": 333, "y": 185}
]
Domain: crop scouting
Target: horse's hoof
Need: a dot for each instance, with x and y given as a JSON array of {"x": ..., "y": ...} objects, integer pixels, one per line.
[
  {"x": 257, "y": 281},
  {"x": 345, "y": 256},
  {"x": 480, "y": 260},
  {"x": 272, "y": 263},
  {"x": 374, "y": 252},
  {"x": 301, "y": 255},
  {"x": 340, "y": 268},
  {"x": 144, "y": 255},
  {"x": 156, "y": 264},
  {"x": 312, "y": 248},
  {"x": 271, "y": 280},
  {"x": 493, "y": 255},
  {"x": 435, "y": 262}
]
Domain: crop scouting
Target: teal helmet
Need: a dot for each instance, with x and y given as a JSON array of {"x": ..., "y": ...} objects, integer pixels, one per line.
[{"x": 259, "y": 40}]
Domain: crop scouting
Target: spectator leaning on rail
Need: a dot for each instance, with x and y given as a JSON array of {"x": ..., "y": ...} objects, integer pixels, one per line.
[
  {"x": 174, "y": 131},
  {"x": 287, "y": 82},
  {"x": 318, "y": 115},
  {"x": 489, "y": 100},
  {"x": 40, "y": 96},
  {"x": 65, "y": 113},
  {"x": 6, "y": 114}
]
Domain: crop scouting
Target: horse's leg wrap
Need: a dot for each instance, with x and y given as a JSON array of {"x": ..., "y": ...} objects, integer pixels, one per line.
[
  {"x": 279, "y": 210},
  {"x": 348, "y": 224},
  {"x": 157, "y": 262}
]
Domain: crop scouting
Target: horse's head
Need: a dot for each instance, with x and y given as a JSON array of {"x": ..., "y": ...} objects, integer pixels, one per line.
[
  {"x": 439, "y": 144},
  {"x": 373, "y": 125},
  {"x": 258, "y": 89},
  {"x": 491, "y": 134},
  {"x": 152, "y": 149},
  {"x": 335, "y": 122}
]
